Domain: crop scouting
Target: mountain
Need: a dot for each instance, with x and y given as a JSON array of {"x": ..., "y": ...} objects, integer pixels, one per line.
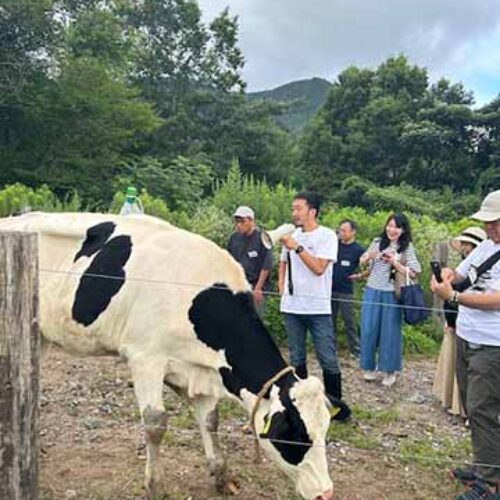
[{"x": 305, "y": 98}]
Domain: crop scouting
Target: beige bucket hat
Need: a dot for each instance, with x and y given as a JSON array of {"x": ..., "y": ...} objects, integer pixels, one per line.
[
  {"x": 474, "y": 235},
  {"x": 490, "y": 208}
]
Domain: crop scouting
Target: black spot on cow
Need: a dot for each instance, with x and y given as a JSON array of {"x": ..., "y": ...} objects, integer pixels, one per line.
[
  {"x": 226, "y": 320},
  {"x": 288, "y": 433},
  {"x": 102, "y": 280},
  {"x": 96, "y": 238}
]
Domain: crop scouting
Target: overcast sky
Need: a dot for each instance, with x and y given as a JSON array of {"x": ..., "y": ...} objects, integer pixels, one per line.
[{"x": 285, "y": 40}]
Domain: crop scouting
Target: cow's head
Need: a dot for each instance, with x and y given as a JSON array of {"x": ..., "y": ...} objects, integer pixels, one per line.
[
  {"x": 293, "y": 432},
  {"x": 293, "y": 411}
]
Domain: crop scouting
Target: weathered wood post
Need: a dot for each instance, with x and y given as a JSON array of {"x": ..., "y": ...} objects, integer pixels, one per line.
[
  {"x": 19, "y": 366},
  {"x": 440, "y": 253}
]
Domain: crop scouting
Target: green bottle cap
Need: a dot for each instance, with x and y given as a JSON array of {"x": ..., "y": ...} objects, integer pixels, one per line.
[{"x": 131, "y": 191}]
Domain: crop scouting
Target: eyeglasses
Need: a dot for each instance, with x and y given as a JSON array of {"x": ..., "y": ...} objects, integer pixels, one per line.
[{"x": 239, "y": 220}]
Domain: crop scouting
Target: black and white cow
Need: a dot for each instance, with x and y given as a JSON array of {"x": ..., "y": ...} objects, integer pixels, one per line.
[{"x": 179, "y": 310}]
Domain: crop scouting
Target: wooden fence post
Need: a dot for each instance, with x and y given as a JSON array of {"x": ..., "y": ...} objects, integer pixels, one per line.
[
  {"x": 19, "y": 366},
  {"x": 440, "y": 253}
]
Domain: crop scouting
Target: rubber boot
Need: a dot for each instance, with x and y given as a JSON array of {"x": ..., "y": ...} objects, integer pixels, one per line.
[
  {"x": 333, "y": 389},
  {"x": 301, "y": 371},
  {"x": 333, "y": 384}
]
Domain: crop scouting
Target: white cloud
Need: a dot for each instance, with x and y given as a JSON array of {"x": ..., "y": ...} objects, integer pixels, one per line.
[{"x": 285, "y": 40}]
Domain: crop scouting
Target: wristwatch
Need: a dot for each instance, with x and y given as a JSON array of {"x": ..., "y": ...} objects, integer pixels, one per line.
[{"x": 299, "y": 249}]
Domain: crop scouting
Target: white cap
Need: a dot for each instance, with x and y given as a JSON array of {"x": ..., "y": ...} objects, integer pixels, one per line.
[
  {"x": 490, "y": 208},
  {"x": 244, "y": 211}
]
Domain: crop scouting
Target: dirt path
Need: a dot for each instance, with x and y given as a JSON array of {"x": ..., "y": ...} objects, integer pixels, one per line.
[{"x": 398, "y": 445}]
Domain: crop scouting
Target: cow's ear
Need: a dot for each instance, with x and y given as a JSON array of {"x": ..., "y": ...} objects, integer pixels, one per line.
[{"x": 276, "y": 426}]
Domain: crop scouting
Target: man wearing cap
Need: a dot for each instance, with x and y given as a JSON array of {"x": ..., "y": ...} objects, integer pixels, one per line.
[
  {"x": 478, "y": 350},
  {"x": 246, "y": 246}
]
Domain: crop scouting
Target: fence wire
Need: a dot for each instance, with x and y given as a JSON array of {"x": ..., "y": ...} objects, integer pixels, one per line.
[
  {"x": 204, "y": 286},
  {"x": 331, "y": 446}
]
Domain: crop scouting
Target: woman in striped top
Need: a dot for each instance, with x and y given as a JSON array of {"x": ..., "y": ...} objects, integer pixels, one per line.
[{"x": 381, "y": 335}]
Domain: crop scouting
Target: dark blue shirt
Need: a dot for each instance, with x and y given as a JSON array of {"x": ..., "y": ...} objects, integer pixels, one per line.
[
  {"x": 251, "y": 253},
  {"x": 347, "y": 263}
]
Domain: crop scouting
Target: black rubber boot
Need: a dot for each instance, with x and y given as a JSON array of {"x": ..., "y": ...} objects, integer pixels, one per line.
[
  {"x": 333, "y": 389},
  {"x": 333, "y": 384},
  {"x": 301, "y": 371}
]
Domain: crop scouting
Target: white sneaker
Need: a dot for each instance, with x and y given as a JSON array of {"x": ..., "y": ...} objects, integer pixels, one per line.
[
  {"x": 370, "y": 376},
  {"x": 389, "y": 380}
]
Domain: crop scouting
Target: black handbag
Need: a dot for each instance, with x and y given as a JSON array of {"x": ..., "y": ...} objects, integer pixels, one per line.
[{"x": 412, "y": 298}]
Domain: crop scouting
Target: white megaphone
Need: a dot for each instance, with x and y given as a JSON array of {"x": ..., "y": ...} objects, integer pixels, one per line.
[{"x": 270, "y": 238}]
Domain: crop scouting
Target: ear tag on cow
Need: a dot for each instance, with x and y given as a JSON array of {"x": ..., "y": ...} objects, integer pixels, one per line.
[
  {"x": 266, "y": 427},
  {"x": 334, "y": 410}
]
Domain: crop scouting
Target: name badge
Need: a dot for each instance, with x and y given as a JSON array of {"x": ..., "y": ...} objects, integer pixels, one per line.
[
  {"x": 253, "y": 253},
  {"x": 345, "y": 263}
]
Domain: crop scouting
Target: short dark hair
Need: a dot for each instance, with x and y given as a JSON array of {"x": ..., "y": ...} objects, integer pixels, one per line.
[
  {"x": 354, "y": 225},
  {"x": 312, "y": 199}
]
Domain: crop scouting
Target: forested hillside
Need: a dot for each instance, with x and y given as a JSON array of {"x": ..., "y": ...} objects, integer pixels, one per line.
[{"x": 303, "y": 97}]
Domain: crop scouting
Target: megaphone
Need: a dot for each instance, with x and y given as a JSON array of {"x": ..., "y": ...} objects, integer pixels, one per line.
[{"x": 270, "y": 238}]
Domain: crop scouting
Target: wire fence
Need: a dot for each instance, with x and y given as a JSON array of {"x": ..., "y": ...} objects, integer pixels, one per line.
[
  {"x": 272, "y": 294},
  {"x": 330, "y": 447}
]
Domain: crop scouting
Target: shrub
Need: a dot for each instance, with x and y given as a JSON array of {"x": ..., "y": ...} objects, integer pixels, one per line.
[
  {"x": 271, "y": 204},
  {"x": 152, "y": 206},
  {"x": 17, "y": 198},
  {"x": 212, "y": 223}
]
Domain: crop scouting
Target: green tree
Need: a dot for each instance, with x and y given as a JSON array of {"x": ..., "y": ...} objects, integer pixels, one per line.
[
  {"x": 389, "y": 126},
  {"x": 183, "y": 183},
  {"x": 74, "y": 132},
  {"x": 29, "y": 36}
]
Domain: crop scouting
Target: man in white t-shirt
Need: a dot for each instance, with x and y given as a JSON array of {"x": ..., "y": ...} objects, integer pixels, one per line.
[
  {"x": 478, "y": 351},
  {"x": 305, "y": 285}
]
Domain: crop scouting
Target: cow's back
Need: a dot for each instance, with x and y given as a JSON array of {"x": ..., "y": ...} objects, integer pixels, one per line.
[{"x": 166, "y": 267}]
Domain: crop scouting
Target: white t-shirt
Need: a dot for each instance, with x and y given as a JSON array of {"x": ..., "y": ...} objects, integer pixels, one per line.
[
  {"x": 480, "y": 326},
  {"x": 311, "y": 293}
]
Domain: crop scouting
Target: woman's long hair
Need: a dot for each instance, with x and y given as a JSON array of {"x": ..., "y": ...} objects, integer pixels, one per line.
[{"x": 404, "y": 239}]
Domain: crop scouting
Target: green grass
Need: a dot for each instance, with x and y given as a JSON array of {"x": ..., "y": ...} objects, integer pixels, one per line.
[
  {"x": 231, "y": 409},
  {"x": 362, "y": 431},
  {"x": 432, "y": 451}
]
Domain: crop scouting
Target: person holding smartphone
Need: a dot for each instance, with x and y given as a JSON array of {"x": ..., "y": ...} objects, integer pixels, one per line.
[
  {"x": 381, "y": 318},
  {"x": 478, "y": 350}
]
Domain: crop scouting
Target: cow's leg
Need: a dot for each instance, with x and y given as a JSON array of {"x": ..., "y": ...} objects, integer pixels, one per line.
[
  {"x": 207, "y": 417},
  {"x": 148, "y": 385}
]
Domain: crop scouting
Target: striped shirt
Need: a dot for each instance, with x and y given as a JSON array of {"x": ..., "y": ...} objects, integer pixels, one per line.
[{"x": 380, "y": 272}]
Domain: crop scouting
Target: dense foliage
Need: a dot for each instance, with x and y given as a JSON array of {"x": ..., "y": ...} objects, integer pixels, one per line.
[
  {"x": 390, "y": 126},
  {"x": 96, "y": 95}
]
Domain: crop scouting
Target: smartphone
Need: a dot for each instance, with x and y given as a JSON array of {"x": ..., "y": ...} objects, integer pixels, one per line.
[{"x": 436, "y": 270}]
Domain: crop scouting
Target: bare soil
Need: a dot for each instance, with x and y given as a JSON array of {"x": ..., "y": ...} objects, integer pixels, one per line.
[{"x": 399, "y": 445}]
